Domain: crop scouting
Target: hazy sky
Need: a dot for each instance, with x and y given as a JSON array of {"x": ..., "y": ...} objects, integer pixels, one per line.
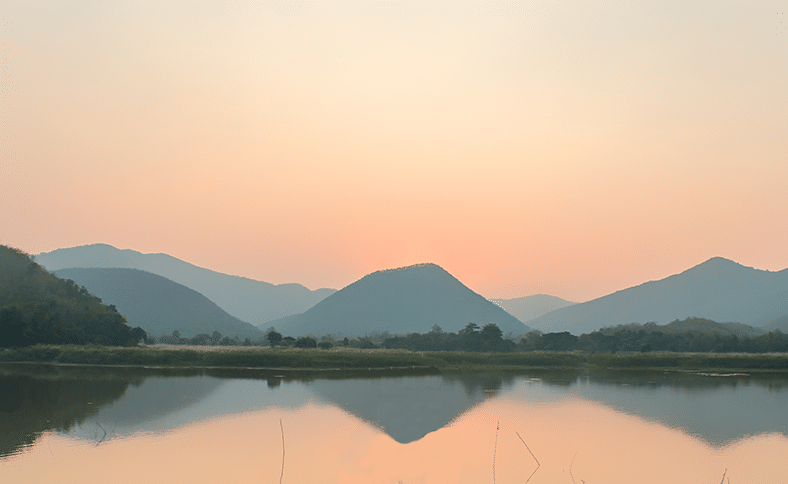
[{"x": 571, "y": 148}]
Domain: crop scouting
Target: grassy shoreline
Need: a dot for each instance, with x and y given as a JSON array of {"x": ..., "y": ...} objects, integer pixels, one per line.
[{"x": 348, "y": 360}]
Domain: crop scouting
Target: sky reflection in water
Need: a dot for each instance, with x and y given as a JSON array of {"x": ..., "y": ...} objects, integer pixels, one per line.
[{"x": 429, "y": 429}]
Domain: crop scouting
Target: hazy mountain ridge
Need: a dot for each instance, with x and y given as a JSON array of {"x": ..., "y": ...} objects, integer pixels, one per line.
[
  {"x": 157, "y": 304},
  {"x": 531, "y": 307},
  {"x": 400, "y": 301},
  {"x": 718, "y": 289},
  {"x": 780, "y": 323},
  {"x": 249, "y": 300}
]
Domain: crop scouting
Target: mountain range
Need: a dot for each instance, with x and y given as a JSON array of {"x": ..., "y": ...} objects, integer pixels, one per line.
[
  {"x": 255, "y": 302},
  {"x": 531, "y": 307},
  {"x": 400, "y": 301},
  {"x": 718, "y": 289},
  {"x": 157, "y": 304}
]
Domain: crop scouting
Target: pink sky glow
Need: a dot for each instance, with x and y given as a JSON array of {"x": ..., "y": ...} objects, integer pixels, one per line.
[{"x": 569, "y": 148}]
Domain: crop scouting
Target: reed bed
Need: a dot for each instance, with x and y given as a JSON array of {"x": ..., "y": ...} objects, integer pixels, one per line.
[{"x": 356, "y": 359}]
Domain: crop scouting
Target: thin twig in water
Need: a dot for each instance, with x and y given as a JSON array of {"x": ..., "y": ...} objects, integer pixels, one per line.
[
  {"x": 538, "y": 465},
  {"x": 283, "y": 451},
  {"x": 723, "y": 477},
  {"x": 495, "y": 448},
  {"x": 529, "y": 449},
  {"x": 570, "y": 468},
  {"x": 105, "y": 434}
]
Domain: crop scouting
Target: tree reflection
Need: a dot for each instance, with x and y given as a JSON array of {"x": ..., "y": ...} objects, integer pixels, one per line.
[{"x": 43, "y": 399}]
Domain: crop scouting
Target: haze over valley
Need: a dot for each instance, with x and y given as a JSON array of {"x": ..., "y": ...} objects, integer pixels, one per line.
[{"x": 406, "y": 300}]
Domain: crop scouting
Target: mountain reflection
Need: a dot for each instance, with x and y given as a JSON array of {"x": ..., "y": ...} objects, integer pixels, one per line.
[
  {"x": 408, "y": 408},
  {"x": 98, "y": 405},
  {"x": 499, "y": 440}
]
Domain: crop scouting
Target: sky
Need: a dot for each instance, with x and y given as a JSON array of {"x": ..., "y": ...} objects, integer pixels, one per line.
[{"x": 571, "y": 148}]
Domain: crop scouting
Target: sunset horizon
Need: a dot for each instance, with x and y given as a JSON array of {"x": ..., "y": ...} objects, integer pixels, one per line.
[{"x": 570, "y": 148}]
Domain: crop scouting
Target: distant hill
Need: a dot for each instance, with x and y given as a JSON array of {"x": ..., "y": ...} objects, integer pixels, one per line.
[
  {"x": 707, "y": 326},
  {"x": 718, "y": 289},
  {"x": 531, "y": 307},
  {"x": 780, "y": 323},
  {"x": 400, "y": 301},
  {"x": 693, "y": 325},
  {"x": 157, "y": 304},
  {"x": 252, "y": 301}
]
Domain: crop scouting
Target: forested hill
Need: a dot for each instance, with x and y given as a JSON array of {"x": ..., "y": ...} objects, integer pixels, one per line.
[
  {"x": 718, "y": 289},
  {"x": 39, "y": 307},
  {"x": 159, "y": 305}
]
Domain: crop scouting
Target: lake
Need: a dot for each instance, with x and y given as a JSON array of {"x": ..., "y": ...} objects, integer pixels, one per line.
[{"x": 67, "y": 424}]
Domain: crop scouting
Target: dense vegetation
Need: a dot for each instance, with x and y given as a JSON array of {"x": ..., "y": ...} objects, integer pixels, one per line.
[
  {"x": 37, "y": 307},
  {"x": 470, "y": 338},
  {"x": 645, "y": 339},
  {"x": 629, "y": 338}
]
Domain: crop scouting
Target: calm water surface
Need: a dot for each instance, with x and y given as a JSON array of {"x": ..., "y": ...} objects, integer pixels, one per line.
[{"x": 90, "y": 425}]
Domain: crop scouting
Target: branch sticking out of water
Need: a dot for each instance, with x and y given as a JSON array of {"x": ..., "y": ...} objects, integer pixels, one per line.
[
  {"x": 283, "y": 451},
  {"x": 723, "y": 477},
  {"x": 105, "y": 436},
  {"x": 495, "y": 448},
  {"x": 570, "y": 468},
  {"x": 538, "y": 465}
]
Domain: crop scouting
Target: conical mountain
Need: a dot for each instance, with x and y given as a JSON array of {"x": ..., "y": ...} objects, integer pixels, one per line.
[
  {"x": 400, "y": 301},
  {"x": 718, "y": 289}
]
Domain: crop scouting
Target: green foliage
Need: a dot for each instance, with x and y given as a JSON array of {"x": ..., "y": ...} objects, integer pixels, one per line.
[
  {"x": 632, "y": 339},
  {"x": 38, "y": 307},
  {"x": 470, "y": 338},
  {"x": 274, "y": 337},
  {"x": 306, "y": 342}
]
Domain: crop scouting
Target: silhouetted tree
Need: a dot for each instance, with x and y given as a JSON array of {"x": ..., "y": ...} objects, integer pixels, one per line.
[
  {"x": 216, "y": 337},
  {"x": 306, "y": 342},
  {"x": 138, "y": 334}
]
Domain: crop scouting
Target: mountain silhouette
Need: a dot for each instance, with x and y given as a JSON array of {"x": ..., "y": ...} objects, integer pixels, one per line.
[
  {"x": 400, "y": 301},
  {"x": 249, "y": 300},
  {"x": 718, "y": 289},
  {"x": 157, "y": 304},
  {"x": 531, "y": 307}
]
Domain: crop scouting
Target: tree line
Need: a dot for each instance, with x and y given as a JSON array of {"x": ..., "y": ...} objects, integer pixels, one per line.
[
  {"x": 611, "y": 340},
  {"x": 272, "y": 338},
  {"x": 470, "y": 338},
  {"x": 489, "y": 338}
]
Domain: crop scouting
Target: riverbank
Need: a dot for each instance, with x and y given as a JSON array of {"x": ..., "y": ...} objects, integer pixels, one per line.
[{"x": 343, "y": 359}]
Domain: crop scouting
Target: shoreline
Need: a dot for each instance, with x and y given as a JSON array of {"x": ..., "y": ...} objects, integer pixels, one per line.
[{"x": 339, "y": 361}]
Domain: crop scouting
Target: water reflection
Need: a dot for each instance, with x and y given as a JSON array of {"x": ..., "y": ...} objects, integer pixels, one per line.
[
  {"x": 545, "y": 426},
  {"x": 39, "y": 399},
  {"x": 408, "y": 408}
]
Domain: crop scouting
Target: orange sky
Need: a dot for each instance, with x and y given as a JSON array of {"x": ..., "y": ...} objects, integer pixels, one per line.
[{"x": 569, "y": 148}]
